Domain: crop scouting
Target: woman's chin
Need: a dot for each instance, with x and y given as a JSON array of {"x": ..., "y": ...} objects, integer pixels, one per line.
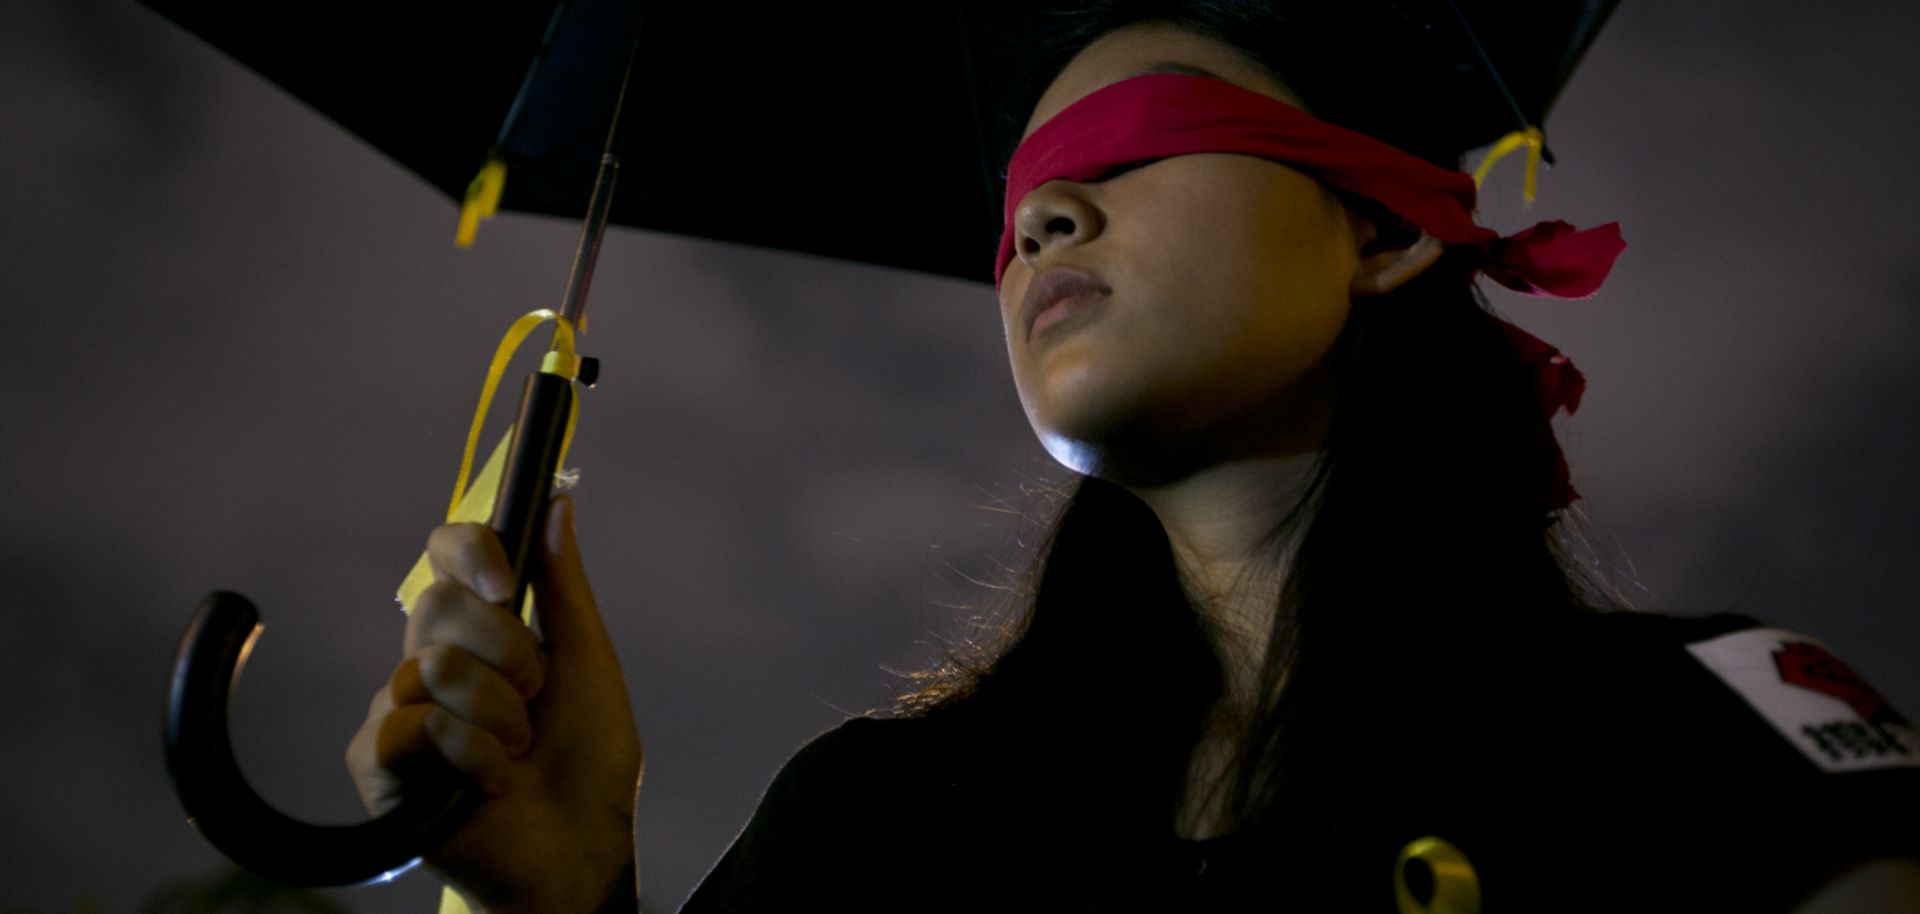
[
  {"x": 1126, "y": 459},
  {"x": 1073, "y": 453},
  {"x": 1081, "y": 439}
]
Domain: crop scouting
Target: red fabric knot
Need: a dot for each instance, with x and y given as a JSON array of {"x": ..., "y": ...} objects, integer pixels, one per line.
[
  {"x": 1554, "y": 258},
  {"x": 1557, "y": 385}
]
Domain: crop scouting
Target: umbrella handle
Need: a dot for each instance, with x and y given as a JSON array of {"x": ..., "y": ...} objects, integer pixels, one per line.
[
  {"x": 200, "y": 759},
  {"x": 234, "y": 819}
]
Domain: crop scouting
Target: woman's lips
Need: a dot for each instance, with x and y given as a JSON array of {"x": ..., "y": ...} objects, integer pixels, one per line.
[
  {"x": 1060, "y": 310},
  {"x": 1059, "y": 293}
]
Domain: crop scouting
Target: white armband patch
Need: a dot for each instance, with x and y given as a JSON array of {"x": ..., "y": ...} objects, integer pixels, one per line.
[{"x": 1820, "y": 705}]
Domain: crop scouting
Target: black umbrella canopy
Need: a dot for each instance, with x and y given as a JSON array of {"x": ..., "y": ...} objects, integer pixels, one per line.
[
  {"x": 1514, "y": 57},
  {"x": 786, "y": 125},
  {"x": 866, "y": 131}
]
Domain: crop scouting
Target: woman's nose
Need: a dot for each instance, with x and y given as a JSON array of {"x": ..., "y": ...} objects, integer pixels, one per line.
[{"x": 1056, "y": 214}]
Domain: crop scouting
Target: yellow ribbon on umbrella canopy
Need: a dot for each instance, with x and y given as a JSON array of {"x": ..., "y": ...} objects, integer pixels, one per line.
[
  {"x": 483, "y": 198},
  {"x": 1536, "y": 143}
]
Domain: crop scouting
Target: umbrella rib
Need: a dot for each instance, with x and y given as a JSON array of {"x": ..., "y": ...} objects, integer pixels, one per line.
[{"x": 533, "y": 70}]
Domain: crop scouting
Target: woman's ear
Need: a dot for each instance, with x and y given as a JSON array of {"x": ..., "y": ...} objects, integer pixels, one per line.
[{"x": 1383, "y": 269}]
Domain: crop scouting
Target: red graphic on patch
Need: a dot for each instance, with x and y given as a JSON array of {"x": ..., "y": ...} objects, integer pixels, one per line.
[{"x": 1810, "y": 666}]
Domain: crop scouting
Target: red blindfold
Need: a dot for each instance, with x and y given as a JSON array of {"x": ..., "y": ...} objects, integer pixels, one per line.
[{"x": 1161, "y": 115}]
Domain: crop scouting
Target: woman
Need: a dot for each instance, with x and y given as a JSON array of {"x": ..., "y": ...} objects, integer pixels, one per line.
[{"x": 1246, "y": 674}]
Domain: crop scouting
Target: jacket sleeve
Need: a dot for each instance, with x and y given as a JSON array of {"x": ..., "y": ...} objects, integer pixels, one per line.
[
  {"x": 1681, "y": 764},
  {"x": 1822, "y": 774}
]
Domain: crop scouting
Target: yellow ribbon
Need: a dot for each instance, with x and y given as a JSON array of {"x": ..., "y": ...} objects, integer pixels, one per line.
[
  {"x": 475, "y": 504},
  {"x": 1533, "y": 139},
  {"x": 482, "y": 200},
  {"x": 561, "y": 361},
  {"x": 1456, "y": 888}
]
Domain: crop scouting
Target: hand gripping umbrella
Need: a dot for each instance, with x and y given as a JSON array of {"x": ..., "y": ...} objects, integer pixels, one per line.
[
  {"x": 770, "y": 124},
  {"x": 510, "y": 494}
]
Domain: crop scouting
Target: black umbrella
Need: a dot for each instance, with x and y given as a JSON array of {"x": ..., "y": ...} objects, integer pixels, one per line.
[{"x": 773, "y": 124}]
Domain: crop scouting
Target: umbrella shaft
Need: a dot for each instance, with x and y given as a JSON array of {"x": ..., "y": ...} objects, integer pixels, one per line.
[{"x": 598, "y": 206}]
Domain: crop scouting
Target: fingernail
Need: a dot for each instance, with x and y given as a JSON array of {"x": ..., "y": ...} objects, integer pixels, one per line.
[{"x": 495, "y": 586}]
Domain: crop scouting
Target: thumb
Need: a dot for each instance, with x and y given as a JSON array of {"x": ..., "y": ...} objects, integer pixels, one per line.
[{"x": 569, "y": 620}]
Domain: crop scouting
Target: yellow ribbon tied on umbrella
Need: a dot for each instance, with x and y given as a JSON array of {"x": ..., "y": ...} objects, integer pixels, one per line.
[
  {"x": 474, "y": 503},
  {"x": 483, "y": 198},
  {"x": 1536, "y": 143}
]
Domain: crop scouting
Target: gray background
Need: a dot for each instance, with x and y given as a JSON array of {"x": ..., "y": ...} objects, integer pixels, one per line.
[{"x": 242, "y": 352}]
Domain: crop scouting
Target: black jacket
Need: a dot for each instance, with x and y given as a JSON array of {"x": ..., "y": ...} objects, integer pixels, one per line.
[{"x": 1607, "y": 767}]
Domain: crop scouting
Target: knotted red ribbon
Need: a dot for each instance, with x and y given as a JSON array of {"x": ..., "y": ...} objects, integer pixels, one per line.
[
  {"x": 1168, "y": 114},
  {"x": 1557, "y": 385}
]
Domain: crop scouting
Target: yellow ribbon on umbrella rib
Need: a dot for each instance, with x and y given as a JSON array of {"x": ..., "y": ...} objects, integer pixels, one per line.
[
  {"x": 474, "y": 503},
  {"x": 1536, "y": 143},
  {"x": 483, "y": 198}
]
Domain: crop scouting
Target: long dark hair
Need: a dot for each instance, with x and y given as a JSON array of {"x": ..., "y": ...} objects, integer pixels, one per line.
[{"x": 1422, "y": 533}]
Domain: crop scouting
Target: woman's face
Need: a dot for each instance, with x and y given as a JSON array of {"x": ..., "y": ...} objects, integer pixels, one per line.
[{"x": 1229, "y": 281}]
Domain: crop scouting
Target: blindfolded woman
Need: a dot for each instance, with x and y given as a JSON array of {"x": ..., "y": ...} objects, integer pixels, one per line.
[{"x": 1303, "y": 633}]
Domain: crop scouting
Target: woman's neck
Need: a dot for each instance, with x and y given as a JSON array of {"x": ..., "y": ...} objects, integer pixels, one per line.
[{"x": 1221, "y": 522}]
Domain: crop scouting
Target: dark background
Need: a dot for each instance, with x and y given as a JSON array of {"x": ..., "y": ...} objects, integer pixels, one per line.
[{"x": 242, "y": 351}]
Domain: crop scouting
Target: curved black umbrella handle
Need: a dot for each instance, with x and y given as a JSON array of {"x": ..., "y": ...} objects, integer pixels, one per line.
[
  {"x": 234, "y": 818},
  {"x": 200, "y": 757}
]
